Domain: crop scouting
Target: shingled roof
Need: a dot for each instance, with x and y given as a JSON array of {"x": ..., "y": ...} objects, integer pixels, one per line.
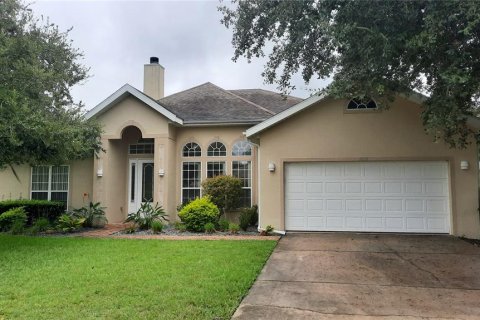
[
  {"x": 273, "y": 101},
  {"x": 208, "y": 103}
]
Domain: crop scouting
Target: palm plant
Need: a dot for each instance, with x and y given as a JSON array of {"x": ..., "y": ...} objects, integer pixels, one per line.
[{"x": 147, "y": 215}]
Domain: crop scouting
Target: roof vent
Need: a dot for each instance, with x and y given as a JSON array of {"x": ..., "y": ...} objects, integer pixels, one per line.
[{"x": 153, "y": 60}]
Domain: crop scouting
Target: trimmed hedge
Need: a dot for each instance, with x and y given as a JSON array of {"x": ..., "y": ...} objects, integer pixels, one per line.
[
  {"x": 12, "y": 217},
  {"x": 35, "y": 209}
]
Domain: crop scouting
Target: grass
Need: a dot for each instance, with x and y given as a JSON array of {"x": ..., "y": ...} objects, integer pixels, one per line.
[{"x": 79, "y": 278}]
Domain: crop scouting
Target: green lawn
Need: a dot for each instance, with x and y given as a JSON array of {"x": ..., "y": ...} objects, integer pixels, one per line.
[{"x": 79, "y": 278}]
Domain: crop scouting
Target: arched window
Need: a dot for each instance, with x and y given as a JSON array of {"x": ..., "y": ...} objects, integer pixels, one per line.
[
  {"x": 359, "y": 104},
  {"x": 216, "y": 149},
  {"x": 242, "y": 148},
  {"x": 192, "y": 149}
]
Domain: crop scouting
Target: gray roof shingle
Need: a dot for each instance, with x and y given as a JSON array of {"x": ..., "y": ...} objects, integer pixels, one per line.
[
  {"x": 208, "y": 103},
  {"x": 273, "y": 101}
]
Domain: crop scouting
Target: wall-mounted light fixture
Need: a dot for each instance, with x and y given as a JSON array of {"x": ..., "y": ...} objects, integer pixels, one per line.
[
  {"x": 464, "y": 165},
  {"x": 271, "y": 167},
  {"x": 100, "y": 173},
  {"x": 161, "y": 172}
]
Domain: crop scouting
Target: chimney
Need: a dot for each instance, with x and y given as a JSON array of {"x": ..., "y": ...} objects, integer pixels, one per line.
[{"x": 153, "y": 79}]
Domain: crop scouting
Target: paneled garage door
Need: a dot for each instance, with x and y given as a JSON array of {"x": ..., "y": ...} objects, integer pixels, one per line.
[{"x": 385, "y": 196}]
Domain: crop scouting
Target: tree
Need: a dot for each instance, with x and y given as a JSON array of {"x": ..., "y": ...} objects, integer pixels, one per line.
[
  {"x": 371, "y": 49},
  {"x": 39, "y": 121},
  {"x": 224, "y": 191}
]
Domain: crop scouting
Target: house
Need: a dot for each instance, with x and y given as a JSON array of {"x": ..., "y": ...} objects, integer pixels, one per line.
[{"x": 317, "y": 164}]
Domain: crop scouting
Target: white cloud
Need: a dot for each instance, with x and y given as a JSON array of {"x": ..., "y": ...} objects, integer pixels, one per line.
[{"x": 118, "y": 37}]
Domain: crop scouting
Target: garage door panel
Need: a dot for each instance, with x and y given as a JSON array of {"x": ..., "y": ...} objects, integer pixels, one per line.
[{"x": 368, "y": 196}]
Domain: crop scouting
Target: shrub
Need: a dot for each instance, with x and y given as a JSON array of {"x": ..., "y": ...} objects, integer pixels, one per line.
[
  {"x": 42, "y": 224},
  {"x": 180, "y": 226},
  {"x": 223, "y": 225},
  {"x": 224, "y": 191},
  {"x": 209, "y": 227},
  {"x": 157, "y": 226},
  {"x": 69, "y": 223},
  {"x": 244, "y": 221},
  {"x": 234, "y": 228},
  {"x": 93, "y": 214},
  {"x": 13, "y": 216},
  {"x": 35, "y": 209},
  {"x": 199, "y": 212},
  {"x": 146, "y": 215},
  {"x": 248, "y": 217},
  {"x": 18, "y": 227},
  {"x": 267, "y": 231}
]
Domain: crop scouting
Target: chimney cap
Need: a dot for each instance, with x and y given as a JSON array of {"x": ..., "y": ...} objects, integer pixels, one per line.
[{"x": 153, "y": 60}]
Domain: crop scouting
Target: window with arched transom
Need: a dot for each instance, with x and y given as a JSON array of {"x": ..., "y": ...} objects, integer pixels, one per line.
[
  {"x": 192, "y": 149},
  {"x": 216, "y": 149},
  {"x": 242, "y": 148}
]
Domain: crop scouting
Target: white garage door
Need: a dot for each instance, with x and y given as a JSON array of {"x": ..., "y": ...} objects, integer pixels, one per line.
[{"x": 385, "y": 196}]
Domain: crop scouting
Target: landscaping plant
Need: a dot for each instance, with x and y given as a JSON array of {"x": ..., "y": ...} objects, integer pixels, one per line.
[
  {"x": 209, "y": 227},
  {"x": 180, "y": 226},
  {"x": 157, "y": 226},
  {"x": 146, "y": 215},
  {"x": 15, "y": 216},
  {"x": 199, "y": 212},
  {"x": 93, "y": 214},
  {"x": 224, "y": 191},
  {"x": 233, "y": 228},
  {"x": 223, "y": 224},
  {"x": 35, "y": 209},
  {"x": 248, "y": 217},
  {"x": 69, "y": 223}
]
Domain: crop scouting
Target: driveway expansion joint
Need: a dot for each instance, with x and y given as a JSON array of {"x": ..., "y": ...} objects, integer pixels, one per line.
[{"x": 368, "y": 284}]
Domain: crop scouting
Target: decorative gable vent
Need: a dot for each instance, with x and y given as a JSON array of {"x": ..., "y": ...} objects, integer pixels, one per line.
[{"x": 362, "y": 104}]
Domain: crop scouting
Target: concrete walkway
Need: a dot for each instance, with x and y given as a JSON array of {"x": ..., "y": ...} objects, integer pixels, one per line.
[{"x": 365, "y": 276}]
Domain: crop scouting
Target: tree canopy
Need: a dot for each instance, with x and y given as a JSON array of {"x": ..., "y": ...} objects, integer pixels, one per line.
[
  {"x": 40, "y": 123},
  {"x": 373, "y": 49}
]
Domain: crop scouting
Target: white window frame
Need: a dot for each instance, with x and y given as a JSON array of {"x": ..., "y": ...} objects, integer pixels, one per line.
[
  {"x": 181, "y": 180},
  {"x": 216, "y": 156},
  {"x": 185, "y": 145},
  {"x": 243, "y": 142},
  {"x": 225, "y": 169},
  {"x": 49, "y": 188},
  {"x": 251, "y": 178}
]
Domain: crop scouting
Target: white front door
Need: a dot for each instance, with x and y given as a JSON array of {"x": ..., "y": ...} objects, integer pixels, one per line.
[{"x": 140, "y": 183}]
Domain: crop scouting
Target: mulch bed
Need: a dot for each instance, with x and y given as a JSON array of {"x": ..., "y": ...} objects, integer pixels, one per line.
[{"x": 170, "y": 233}]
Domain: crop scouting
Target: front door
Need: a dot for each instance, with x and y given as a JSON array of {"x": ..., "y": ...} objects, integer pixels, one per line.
[{"x": 140, "y": 184}]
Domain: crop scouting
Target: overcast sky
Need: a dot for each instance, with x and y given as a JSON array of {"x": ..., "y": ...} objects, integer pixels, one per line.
[{"x": 118, "y": 37}]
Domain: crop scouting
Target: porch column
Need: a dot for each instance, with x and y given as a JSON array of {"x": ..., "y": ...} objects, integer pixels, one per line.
[{"x": 161, "y": 172}]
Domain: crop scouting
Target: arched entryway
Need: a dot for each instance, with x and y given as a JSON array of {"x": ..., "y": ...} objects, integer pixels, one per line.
[{"x": 140, "y": 158}]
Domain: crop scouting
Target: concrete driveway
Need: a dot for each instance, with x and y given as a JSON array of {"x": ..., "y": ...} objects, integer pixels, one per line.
[{"x": 367, "y": 276}]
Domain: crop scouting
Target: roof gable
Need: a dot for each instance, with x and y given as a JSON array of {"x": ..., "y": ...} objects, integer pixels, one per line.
[
  {"x": 125, "y": 91},
  {"x": 208, "y": 103},
  {"x": 415, "y": 97}
]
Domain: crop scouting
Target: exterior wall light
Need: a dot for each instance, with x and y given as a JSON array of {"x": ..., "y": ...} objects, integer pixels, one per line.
[
  {"x": 271, "y": 167},
  {"x": 161, "y": 172},
  {"x": 464, "y": 165},
  {"x": 100, "y": 173}
]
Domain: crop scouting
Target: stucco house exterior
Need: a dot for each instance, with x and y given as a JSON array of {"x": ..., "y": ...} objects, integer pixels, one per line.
[{"x": 311, "y": 165}]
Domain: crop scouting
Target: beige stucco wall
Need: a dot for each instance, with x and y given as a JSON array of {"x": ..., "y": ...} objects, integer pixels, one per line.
[
  {"x": 204, "y": 136},
  {"x": 325, "y": 132},
  {"x": 80, "y": 184},
  {"x": 10, "y": 187}
]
